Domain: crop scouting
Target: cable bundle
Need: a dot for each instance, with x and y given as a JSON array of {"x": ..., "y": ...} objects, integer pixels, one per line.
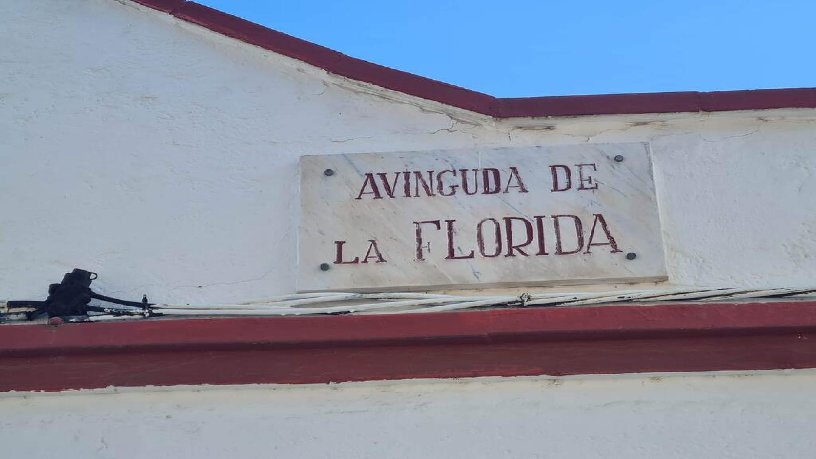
[{"x": 70, "y": 301}]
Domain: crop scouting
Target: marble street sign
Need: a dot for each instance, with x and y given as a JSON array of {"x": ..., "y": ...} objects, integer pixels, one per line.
[{"x": 478, "y": 218}]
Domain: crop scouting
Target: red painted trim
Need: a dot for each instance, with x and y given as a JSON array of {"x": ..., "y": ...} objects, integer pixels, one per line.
[
  {"x": 758, "y": 99},
  {"x": 166, "y": 6},
  {"x": 425, "y": 88},
  {"x": 607, "y": 104},
  {"x": 504, "y": 342}
]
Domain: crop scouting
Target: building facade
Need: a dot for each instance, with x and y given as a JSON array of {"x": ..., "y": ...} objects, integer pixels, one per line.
[{"x": 160, "y": 144}]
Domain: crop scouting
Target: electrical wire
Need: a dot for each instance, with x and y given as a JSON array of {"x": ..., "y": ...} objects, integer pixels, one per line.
[{"x": 329, "y": 303}]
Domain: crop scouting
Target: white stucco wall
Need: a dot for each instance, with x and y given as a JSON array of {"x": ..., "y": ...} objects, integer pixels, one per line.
[
  {"x": 628, "y": 417},
  {"x": 164, "y": 157}
]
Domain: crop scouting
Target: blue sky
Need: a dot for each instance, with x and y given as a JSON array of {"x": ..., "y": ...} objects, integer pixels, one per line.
[{"x": 538, "y": 48}]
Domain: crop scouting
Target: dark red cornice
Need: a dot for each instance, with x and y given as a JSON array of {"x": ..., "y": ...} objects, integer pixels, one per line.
[
  {"x": 504, "y": 342},
  {"x": 425, "y": 88}
]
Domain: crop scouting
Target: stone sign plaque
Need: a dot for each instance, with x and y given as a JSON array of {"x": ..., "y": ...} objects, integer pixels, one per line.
[{"x": 478, "y": 218}]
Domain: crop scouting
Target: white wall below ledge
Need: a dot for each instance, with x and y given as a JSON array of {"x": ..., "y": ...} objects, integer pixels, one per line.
[{"x": 759, "y": 415}]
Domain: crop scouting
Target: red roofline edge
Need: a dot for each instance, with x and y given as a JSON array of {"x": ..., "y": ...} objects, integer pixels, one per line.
[{"x": 455, "y": 96}]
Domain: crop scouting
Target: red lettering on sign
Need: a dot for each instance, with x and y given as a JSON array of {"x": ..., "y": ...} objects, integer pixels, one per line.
[
  {"x": 508, "y": 229},
  {"x": 579, "y": 233},
  {"x": 542, "y": 249},
  {"x": 372, "y": 246},
  {"x": 440, "y": 184},
  {"x": 490, "y": 181},
  {"x": 557, "y": 184},
  {"x": 465, "y": 187},
  {"x": 389, "y": 187},
  {"x": 418, "y": 225},
  {"x": 567, "y": 229},
  {"x": 426, "y": 186},
  {"x": 370, "y": 183},
  {"x": 610, "y": 241},
  {"x": 514, "y": 175},
  {"x": 446, "y": 183},
  {"x": 451, "y": 244},
  {"x": 480, "y": 242},
  {"x": 338, "y": 259},
  {"x": 586, "y": 179},
  {"x": 406, "y": 183}
]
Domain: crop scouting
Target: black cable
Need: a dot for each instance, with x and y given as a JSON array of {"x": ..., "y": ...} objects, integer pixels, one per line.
[
  {"x": 70, "y": 298},
  {"x": 25, "y": 304},
  {"x": 138, "y": 304}
]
